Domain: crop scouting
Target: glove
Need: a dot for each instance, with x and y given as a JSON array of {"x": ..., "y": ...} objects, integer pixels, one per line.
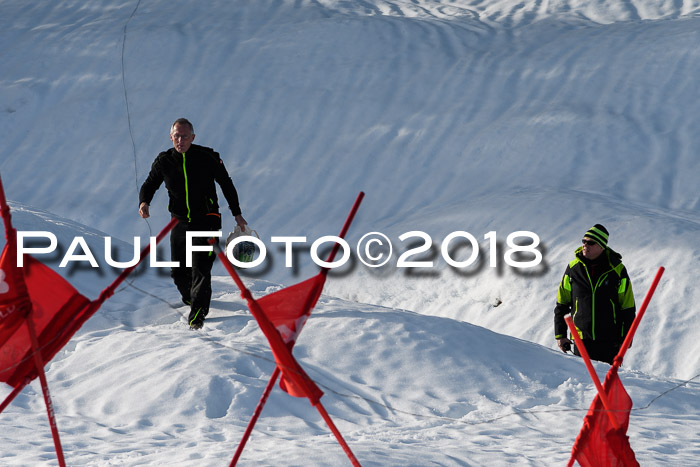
[{"x": 564, "y": 344}]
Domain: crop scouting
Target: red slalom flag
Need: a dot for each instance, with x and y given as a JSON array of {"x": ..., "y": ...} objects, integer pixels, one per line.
[
  {"x": 603, "y": 439},
  {"x": 599, "y": 443},
  {"x": 52, "y": 311},
  {"x": 58, "y": 311},
  {"x": 34, "y": 295},
  {"x": 281, "y": 317},
  {"x": 54, "y": 304},
  {"x": 287, "y": 310}
]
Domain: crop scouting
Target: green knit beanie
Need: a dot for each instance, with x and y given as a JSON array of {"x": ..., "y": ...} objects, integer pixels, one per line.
[{"x": 598, "y": 234}]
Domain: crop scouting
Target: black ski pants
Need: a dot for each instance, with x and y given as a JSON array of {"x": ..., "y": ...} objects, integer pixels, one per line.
[
  {"x": 193, "y": 283},
  {"x": 602, "y": 351}
]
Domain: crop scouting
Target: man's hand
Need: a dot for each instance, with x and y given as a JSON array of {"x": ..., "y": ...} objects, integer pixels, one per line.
[
  {"x": 143, "y": 210},
  {"x": 240, "y": 221},
  {"x": 564, "y": 344}
]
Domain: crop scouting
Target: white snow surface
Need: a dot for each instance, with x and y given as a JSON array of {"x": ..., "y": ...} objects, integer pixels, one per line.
[{"x": 462, "y": 115}]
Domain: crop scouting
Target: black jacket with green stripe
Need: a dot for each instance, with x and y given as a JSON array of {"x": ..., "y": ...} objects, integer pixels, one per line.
[
  {"x": 189, "y": 179},
  {"x": 602, "y": 304}
]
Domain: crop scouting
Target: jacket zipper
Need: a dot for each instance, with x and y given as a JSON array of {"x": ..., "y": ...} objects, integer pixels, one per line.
[
  {"x": 187, "y": 191},
  {"x": 593, "y": 290}
]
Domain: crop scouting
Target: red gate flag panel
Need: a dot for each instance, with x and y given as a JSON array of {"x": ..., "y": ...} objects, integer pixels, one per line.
[
  {"x": 52, "y": 310},
  {"x": 288, "y": 310},
  {"x": 603, "y": 439},
  {"x": 599, "y": 444},
  {"x": 55, "y": 303},
  {"x": 58, "y": 310},
  {"x": 281, "y": 317}
]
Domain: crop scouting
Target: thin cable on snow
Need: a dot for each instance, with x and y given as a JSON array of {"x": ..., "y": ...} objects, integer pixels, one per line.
[{"x": 128, "y": 111}]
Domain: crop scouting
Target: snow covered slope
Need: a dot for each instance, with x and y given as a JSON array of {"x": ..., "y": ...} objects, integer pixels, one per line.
[
  {"x": 455, "y": 115},
  {"x": 504, "y": 116},
  {"x": 137, "y": 387}
]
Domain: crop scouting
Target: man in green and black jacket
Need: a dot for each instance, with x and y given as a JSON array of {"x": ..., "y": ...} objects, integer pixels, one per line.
[
  {"x": 190, "y": 172},
  {"x": 597, "y": 291}
]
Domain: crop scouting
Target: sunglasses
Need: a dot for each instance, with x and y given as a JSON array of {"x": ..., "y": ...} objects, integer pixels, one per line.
[{"x": 588, "y": 242}]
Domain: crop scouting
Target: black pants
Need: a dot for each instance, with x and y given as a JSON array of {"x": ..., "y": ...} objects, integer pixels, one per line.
[
  {"x": 193, "y": 283},
  {"x": 602, "y": 351}
]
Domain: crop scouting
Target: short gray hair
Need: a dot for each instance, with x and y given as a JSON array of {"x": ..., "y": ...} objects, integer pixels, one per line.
[{"x": 182, "y": 121}]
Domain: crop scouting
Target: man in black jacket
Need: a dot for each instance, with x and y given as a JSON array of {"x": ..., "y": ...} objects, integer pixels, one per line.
[
  {"x": 597, "y": 291},
  {"x": 189, "y": 172}
]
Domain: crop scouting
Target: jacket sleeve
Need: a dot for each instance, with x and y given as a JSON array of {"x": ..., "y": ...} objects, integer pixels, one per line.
[
  {"x": 563, "y": 306},
  {"x": 626, "y": 302},
  {"x": 152, "y": 183},
  {"x": 224, "y": 180}
]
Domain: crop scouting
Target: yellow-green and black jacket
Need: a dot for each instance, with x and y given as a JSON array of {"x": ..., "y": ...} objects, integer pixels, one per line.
[{"x": 603, "y": 310}]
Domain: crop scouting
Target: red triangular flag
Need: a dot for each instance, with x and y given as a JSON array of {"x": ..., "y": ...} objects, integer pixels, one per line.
[
  {"x": 281, "y": 316},
  {"x": 599, "y": 444},
  {"x": 52, "y": 310},
  {"x": 289, "y": 308},
  {"x": 55, "y": 303},
  {"x": 284, "y": 313}
]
